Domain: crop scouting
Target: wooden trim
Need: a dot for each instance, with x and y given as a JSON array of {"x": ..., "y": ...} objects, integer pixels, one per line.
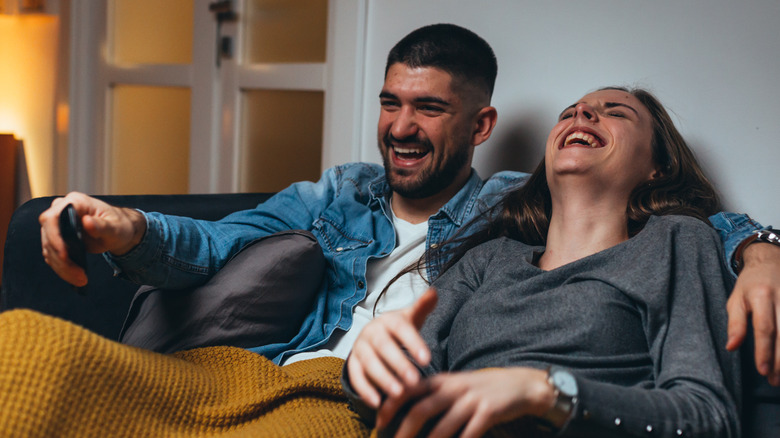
[{"x": 9, "y": 147}]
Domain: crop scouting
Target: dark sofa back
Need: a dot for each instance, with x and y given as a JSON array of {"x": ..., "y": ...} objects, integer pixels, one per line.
[{"x": 28, "y": 282}]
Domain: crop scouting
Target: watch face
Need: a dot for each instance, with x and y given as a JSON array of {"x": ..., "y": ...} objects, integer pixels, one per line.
[
  {"x": 769, "y": 236},
  {"x": 565, "y": 382}
]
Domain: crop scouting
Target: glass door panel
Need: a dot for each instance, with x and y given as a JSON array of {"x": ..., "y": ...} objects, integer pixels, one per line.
[
  {"x": 282, "y": 93},
  {"x": 281, "y": 138},
  {"x": 283, "y": 31},
  {"x": 150, "y": 145},
  {"x": 148, "y": 78},
  {"x": 176, "y": 120},
  {"x": 152, "y": 31}
]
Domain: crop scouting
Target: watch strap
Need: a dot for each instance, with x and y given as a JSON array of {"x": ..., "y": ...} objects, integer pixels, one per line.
[
  {"x": 768, "y": 235},
  {"x": 558, "y": 416}
]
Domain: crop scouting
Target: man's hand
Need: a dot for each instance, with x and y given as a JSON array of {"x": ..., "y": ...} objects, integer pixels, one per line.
[
  {"x": 757, "y": 292},
  {"x": 473, "y": 402},
  {"x": 378, "y": 364},
  {"x": 105, "y": 228}
]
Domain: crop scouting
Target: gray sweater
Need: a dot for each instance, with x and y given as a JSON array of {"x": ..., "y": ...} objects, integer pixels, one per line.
[{"x": 642, "y": 325}]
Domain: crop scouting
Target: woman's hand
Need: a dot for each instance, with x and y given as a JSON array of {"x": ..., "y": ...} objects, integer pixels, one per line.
[
  {"x": 472, "y": 402},
  {"x": 378, "y": 363},
  {"x": 105, "y": 228}
]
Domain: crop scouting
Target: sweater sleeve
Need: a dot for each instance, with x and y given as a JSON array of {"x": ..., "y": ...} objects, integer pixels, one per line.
[{"x": 696, "y": 388}]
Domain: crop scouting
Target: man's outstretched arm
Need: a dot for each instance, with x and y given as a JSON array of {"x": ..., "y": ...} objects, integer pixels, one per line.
[
  {"x": 106, "y": 229},
  {"x": 756, "y": 295}
]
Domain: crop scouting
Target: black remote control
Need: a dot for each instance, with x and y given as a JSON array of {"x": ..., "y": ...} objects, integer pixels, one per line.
[{"x": 72, "y": 234}]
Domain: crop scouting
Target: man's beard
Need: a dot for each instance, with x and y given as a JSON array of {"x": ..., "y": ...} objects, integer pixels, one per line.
[{"x": 429, "y": 180}]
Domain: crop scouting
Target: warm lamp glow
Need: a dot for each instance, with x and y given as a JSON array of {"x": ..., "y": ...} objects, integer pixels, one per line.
[
  {"x": 62, "y": 118},
  {"x": 27, "y": 89}
]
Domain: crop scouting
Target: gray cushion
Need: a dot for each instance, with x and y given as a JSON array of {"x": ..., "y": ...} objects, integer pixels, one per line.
[{"x": 261, "y": 296}]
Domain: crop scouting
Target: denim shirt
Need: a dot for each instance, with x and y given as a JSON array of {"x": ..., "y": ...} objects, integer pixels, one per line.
[{"x": 348, "y": 213}]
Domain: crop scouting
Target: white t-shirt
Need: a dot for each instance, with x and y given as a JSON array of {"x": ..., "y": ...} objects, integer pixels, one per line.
[{"x": 410, "y": 246}]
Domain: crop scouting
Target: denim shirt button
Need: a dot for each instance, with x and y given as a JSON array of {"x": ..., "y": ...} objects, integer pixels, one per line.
[
  {"x": 339, "y": 249},
  {"x": 360, "y": 285},
  {"x": 434, "y": 245}
]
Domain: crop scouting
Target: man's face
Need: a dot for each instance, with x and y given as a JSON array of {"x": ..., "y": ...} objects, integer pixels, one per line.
[{"x": 425, "y": 131}]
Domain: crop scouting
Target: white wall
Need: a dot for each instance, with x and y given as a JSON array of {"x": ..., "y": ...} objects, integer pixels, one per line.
[{"x": 715, "y": 64}]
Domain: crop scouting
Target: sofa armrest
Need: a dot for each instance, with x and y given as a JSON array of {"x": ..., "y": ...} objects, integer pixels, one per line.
[{"x": 28, "y": 282}]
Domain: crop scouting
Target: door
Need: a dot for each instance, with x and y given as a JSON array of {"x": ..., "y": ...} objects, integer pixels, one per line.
[{"x": 207, "y": 96}]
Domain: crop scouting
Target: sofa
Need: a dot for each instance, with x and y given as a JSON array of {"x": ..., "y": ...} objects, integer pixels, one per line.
[{"x": 29, "y": 283}]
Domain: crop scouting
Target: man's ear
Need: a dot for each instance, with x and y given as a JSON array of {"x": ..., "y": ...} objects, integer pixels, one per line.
[{"x": 485, "y": 122}]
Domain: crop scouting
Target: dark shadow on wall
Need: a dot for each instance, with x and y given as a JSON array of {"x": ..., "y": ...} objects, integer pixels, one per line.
[{"x": 520, "y": 147}]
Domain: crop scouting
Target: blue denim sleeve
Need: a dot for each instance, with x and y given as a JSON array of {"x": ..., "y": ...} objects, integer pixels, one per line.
[
  {"x": 733, "y": 228},
  {"x": 178, "y": 252}
]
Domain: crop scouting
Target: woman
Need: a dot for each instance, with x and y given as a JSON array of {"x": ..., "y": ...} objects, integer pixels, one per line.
[{"x": 625, "y": 299}]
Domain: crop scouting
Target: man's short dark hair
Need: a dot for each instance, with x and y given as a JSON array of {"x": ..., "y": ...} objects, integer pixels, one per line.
[{"x": 453, "y": 49}]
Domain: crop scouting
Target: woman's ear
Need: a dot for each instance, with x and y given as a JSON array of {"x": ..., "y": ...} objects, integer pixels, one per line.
[
  {"x": 657, "y": 173},
  {"x": 485, "y": 122}
]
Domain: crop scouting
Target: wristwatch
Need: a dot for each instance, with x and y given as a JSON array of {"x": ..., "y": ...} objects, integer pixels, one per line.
[
  {"x": 767, "y": 236},
  {"x": 565, "y": 386}
]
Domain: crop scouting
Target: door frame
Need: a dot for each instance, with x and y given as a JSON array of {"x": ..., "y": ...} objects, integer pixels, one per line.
[{"x": 214, "y": 132}]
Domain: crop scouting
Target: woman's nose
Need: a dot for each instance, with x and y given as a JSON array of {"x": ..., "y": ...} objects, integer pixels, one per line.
[{"x": 586, "y": 111}]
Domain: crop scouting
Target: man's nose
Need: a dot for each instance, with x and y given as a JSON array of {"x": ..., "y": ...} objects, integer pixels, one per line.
[{"x": 405, "y": 124}]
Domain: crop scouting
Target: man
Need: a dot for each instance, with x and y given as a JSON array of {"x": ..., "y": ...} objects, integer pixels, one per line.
[{"x": 372, "y": 222}]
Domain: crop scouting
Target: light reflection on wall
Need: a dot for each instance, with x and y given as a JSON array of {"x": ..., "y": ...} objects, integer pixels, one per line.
[{"x": 28, "y": 53}]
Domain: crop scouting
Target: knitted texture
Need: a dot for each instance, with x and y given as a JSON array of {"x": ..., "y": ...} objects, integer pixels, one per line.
[{"x": 58, "y": 379}]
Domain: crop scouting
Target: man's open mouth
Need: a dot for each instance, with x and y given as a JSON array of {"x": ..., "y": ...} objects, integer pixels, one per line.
[{"x": 409, "y": 152}]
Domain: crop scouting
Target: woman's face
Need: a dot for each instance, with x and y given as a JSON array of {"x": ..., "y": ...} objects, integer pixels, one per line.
[{"x": 606, "y": 137}]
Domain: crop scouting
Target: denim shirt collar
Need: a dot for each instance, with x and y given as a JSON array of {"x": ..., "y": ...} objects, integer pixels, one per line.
[
  {"x": 460, "y": 206},
  {"x": 456, "y": 209},
  {"x": 378, "y": 189}
]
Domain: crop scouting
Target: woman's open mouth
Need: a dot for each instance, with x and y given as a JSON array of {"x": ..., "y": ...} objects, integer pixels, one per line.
[{"x": 583, "y": 139}]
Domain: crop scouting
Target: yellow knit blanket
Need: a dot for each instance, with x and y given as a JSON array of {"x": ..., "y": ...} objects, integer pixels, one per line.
[{"x": 58, "y": 379}]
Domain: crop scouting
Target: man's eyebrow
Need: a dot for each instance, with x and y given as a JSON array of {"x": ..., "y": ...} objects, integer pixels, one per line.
[
  {"x": 421, "y": 99},
  {"x": 432, "y": 99}
]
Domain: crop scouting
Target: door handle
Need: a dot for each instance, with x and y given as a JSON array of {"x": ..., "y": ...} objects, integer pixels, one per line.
[{"x": 223, "y": 11}]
